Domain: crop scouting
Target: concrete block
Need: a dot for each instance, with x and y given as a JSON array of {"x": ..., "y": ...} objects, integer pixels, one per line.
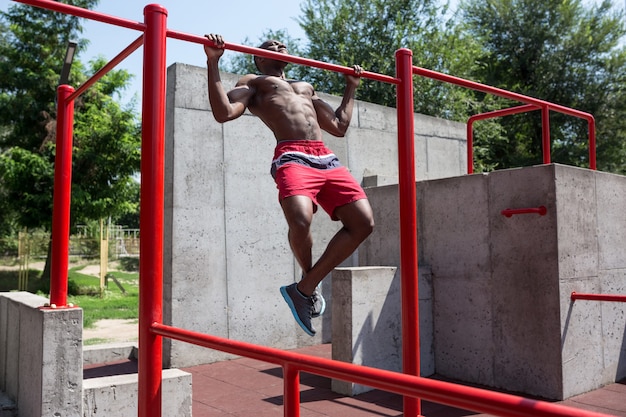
[
  {"x": 611, "y": 233},
  {"x": 109, "y": 352},
  {"x": 577, "y": 223},
  {"x": 117, "y": 395},
  {"x": 366, "y": 325}
]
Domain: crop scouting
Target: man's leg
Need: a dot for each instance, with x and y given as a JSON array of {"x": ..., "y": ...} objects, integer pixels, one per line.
[
  {"x": 358, "y": 222},
  {"x": 298, "y": 212}
]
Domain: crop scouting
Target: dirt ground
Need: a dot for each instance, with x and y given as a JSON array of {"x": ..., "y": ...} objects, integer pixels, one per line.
[{"x": 111, "y": 331}]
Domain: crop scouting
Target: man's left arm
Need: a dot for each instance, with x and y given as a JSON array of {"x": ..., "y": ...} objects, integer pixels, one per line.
[{"x": 337, "y": 122}]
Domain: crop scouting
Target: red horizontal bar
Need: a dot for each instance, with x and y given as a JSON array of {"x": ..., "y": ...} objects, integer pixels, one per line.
[
  {"x": 598, "y": 297},
  {"x": 283, "y": 57},
  {"x": 130, "y": 24},
  {"x": 469, "y": 398},
  {"x": 57, "y": 6},
  {"x": 500, "y": 92},
  {"x": 541, "y": 210}
]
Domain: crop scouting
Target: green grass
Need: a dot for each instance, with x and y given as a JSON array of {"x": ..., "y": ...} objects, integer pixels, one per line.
[
  {"x": 85, "y": 290},
  {"x": 112, "y": 303}
]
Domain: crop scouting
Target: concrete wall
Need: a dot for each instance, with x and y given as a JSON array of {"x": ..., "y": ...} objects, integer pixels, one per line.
[
  {"x": 41, "y": 366},
  {"x": 501, "y": 286},
  {"x": 116, "y": 396},
  {"x": 226, "y": 250}
]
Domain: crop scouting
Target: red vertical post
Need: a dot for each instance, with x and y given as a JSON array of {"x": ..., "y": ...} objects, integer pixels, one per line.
[
  {"x": 408, "y": 224},
  {"x": 291, "y": 388},
  {"x": 151, "y": 211},
  {"x": 470, "y": 146},
  {"x": 545, "y": 133},
  {"x": 592, "y": 143},
  {"x": 61, "y": 200}
]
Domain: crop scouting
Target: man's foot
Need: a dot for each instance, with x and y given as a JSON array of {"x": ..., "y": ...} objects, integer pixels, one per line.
[
  {"x": 319, "y": 304},
  {"x": 301, "y": 307}
]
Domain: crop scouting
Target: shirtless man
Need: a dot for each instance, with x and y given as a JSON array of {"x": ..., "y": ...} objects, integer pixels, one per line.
[{"x": 306, "y": 172}]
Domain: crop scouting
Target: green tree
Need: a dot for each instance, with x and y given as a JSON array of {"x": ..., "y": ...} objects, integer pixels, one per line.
[
  {"x": 348, "y": 32},
  {"x": 560, "y": 51},
  {"x": 106, "y": 136}
]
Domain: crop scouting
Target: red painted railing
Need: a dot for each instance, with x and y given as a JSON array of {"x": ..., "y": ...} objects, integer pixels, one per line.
[
  {"x": 151, "y": 330},
  {"x": 532, "y": 104},
  {"x": 469, "y": 398},
  {"x": 541, "y": 210},
  {"x": 598, "y": 297}
]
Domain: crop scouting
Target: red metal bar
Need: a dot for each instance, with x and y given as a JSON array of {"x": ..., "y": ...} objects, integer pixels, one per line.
[
  {"x": 488, "y": 115},
  {"x": 151, "y": 211},
  {"x": 408, "y": 224},
  {"x": 592, "y": 143},
  {"x": 291, "y": 390},
  {"x": 108, "y": 67},
  {"x": 61, "y": 200},
  {"x": 541, "y": 210},
  {"x": 598, "y": 297},
  {"x": 545, "y": 133},
  {"x": 455, "y": 395},
  {"x": 546, "y": 106},
  {"x": 277, "y": 55},
  {"x": 57, "y": 6}
]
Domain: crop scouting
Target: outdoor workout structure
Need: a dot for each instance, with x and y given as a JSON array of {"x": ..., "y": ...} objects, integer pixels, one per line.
[{"x": 154, "y": 34}]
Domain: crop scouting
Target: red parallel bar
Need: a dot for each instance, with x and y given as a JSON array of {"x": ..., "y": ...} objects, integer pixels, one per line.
[
  {"x": 277, "y": 55},
  {"x": 86, "y": 13},
  {"x": 455, "y": 395},
  {"x": 108, "y": 67},
  {"x": 408, "y": 224},
  {"x": 541, "y": 210},
  {"x": 151, "y": 211},
  {"x": 488, "y": 115},
  {"x": 61, "y": 200},
  {"x": 599, "y": 297},
  {"x": 544, "y": 105}
]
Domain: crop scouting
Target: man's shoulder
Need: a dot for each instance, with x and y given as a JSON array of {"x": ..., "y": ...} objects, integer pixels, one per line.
[{"x": 244, "y": 80}]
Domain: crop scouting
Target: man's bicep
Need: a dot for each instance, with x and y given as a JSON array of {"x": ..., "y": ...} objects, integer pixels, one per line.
[
  {"x": 326, "y": 116},
  {"x": 239, "y": 97}
]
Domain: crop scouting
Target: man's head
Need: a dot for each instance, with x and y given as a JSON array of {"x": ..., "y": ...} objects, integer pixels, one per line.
[{"x": 270, "y": 45}]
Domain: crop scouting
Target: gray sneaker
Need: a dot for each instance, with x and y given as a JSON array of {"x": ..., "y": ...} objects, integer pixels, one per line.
[
  {"x": 301, "y": 307},
  {"x": 319, "y": 304}
]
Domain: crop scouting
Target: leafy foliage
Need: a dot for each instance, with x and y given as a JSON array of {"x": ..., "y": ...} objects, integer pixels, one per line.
[
  {"x": 106, "y": 143},
  {"x": 106, "y": 137},
  {"x": 561, "y": 52}
]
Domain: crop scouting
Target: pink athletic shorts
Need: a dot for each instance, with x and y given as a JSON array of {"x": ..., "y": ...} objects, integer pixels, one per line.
[{"x": 309, "y": 168}]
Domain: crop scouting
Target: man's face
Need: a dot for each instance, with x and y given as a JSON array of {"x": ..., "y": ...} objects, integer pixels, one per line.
[{"x": 275, "y": 46}]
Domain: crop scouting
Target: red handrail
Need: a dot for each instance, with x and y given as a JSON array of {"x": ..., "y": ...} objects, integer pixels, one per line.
[
  {"x": 545, "y": 107},
  {"x": 541, "y": 210},
  {"x": 469, "y": 398},
  {"x": 488, "y": 115},
  {"x": 598, "y": 297}
]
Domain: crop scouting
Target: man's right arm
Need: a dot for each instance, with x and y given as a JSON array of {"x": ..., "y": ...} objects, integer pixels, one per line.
[{"x": 225, "y": 106}]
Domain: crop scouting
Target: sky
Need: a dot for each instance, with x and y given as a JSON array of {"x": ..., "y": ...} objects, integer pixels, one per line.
[{"x": 233, "y": 19}]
